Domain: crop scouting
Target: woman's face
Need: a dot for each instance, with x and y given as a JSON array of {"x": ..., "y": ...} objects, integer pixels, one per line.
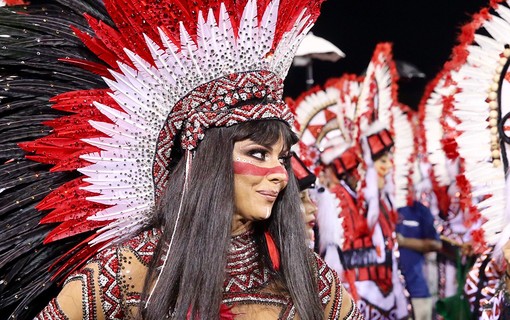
[
  {"x": 383, "y": 166},
  {"x": 259, "y": 176},
  {"x": 329, "y": 177},
  {"x": 309, "y": 210}
]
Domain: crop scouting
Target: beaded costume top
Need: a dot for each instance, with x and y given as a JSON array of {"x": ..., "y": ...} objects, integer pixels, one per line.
[{"x": 114, "y": 280}]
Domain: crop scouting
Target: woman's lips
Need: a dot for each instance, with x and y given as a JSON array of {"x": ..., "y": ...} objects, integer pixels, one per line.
[{"x": 269, "y": 195}]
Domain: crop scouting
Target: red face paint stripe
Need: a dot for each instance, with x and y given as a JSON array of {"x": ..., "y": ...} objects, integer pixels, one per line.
[{"x": 253, "y": 170}]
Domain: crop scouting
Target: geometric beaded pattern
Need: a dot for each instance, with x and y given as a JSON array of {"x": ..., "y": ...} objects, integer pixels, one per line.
[
  {"x": 52, "y": 312},
  {"x": 354, "y": 314},
  {"x": 245, "y": 277},
  {"x": 244, "y": 268},
  {"x": 109, "y": 284},
  {"x": 111, "y": 279},
  {"x": 230, "y": 100},
  {"x": 86, "y": 277},
  {"x": 489, "y": 286},
  {"x": 325, "y": 279}
]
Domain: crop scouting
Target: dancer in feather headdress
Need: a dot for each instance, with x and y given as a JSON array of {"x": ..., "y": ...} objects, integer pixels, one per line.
[
  {"x": 479, "y": 70},
  {"x": 307, "y": 193},
  {"x": 473, "y": 91},
  {"x": 380, "y": 285},
  {"x": 157, "y": 181},
  {"x": 357, "y": 226}
]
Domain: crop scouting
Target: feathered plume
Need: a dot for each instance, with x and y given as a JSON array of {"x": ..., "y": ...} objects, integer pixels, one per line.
[{"x": 88, "y": 104}]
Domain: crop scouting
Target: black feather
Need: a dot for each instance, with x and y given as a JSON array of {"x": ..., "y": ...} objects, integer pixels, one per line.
[{"x": 32, "y": 40}]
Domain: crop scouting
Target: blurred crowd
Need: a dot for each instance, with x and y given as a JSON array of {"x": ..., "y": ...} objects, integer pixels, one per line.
[{"x": 409, "y": 205}]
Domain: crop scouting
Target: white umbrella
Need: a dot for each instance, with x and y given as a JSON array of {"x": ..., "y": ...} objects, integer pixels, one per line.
[
  {"x": 314, "y": 47},
  {"x": 319, "y": 48}
]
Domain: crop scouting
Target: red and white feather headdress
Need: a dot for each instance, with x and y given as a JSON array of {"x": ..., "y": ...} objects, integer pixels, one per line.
[
  {"x": 325, "y": 118},
  {"x": 173, "y": 68},
  {"x": 374, "y": 117},
  {"x": 480, "y": 107},
  {"x": 317, "y": 125},
  {"x": 134, "y": 77},
  {"x": 437, "y": 129},
  {"x": 433, "y": 117}
]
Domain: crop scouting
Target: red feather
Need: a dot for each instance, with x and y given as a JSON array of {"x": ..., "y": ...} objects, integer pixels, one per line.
[
  {"x": 274, "y": 254},
  {"x": 134, "y": 18},
  {"x": 75, "y": 258},
  {"x": 71, "y": 189},
  {"x": 93, "y": 67},
  {"x": 15, "y": 2},
  {"x": 81, "y": 102},
  {"x": 96, "y": 46},
  {"x": 73, "y": 227}
]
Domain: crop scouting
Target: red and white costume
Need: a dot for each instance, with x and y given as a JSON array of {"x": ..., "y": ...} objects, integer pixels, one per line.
[
  {"x": 471, "y": 96},
  {"x": 246, "y": 282},
  {"x": 333, "y": 120}
]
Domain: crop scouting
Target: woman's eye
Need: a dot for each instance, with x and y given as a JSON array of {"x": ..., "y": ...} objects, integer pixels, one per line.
[
  {"x": 284, "y": 159},
  {"x": 258, "y": 154}
]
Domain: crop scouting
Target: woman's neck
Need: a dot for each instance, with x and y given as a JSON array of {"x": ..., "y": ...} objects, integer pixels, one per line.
[{"x": 240, "y": 225}]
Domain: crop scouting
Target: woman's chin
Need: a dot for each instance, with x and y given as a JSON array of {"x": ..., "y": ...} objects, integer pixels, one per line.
[
  {"x": 261, "y": 216},
  {"x": 311, "y": 235},
  {"x": 264, "y": 217}
]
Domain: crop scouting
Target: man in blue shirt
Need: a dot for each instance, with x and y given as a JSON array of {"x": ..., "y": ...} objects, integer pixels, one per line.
[{"x": 417, "y": 235}]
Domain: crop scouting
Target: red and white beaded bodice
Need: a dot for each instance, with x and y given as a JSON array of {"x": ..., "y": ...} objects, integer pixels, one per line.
[{"x": 250, "y": 287}]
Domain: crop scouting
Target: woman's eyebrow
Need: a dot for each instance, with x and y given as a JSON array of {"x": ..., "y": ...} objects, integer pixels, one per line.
[{"x": 268, "y": 146}]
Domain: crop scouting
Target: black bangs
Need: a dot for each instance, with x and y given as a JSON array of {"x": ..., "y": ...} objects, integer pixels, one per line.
[{"x": 265, "y": 132}]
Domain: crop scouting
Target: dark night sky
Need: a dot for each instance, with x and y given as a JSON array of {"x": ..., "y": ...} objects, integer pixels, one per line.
[{"x": 423, "y": 32}]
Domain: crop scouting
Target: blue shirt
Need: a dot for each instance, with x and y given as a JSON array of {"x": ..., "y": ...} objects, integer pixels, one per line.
[{"x": 417, "y": 222}]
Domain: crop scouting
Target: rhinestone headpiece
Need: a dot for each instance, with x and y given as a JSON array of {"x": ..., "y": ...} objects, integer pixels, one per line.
[{"x": 173, "y": 68}]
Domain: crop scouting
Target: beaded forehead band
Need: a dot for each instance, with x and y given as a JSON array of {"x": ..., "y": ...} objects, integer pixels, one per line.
[{"x": 233, "y": 99}]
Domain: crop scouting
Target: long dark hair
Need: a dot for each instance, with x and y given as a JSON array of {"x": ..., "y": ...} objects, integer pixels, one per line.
[{"x": 191, "y": 282}]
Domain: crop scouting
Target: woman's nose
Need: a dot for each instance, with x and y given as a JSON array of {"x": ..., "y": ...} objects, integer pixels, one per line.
[{"x": 277, "y": 173}]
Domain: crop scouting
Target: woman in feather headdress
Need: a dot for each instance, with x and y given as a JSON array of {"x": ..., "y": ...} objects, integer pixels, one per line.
[{"x": 158, "y": 177}]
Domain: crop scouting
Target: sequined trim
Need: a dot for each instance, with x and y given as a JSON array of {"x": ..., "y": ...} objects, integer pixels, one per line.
[
  {"x": 337, "y": 299},
  {"x": 354, "y": 313},
  {"x": 143, "y": 247},
  {"x": 244, "y": 269},
  {"x": 110, "y": 279},
  {"x": 288, "y": 309},
  {"x": 226, "y": 101},
  {"x": 246, "y": 277},
  {"x": 325, "y": 278},
  {"x": 86, "y": 277},
  {"x": 52, "y": 312}
]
